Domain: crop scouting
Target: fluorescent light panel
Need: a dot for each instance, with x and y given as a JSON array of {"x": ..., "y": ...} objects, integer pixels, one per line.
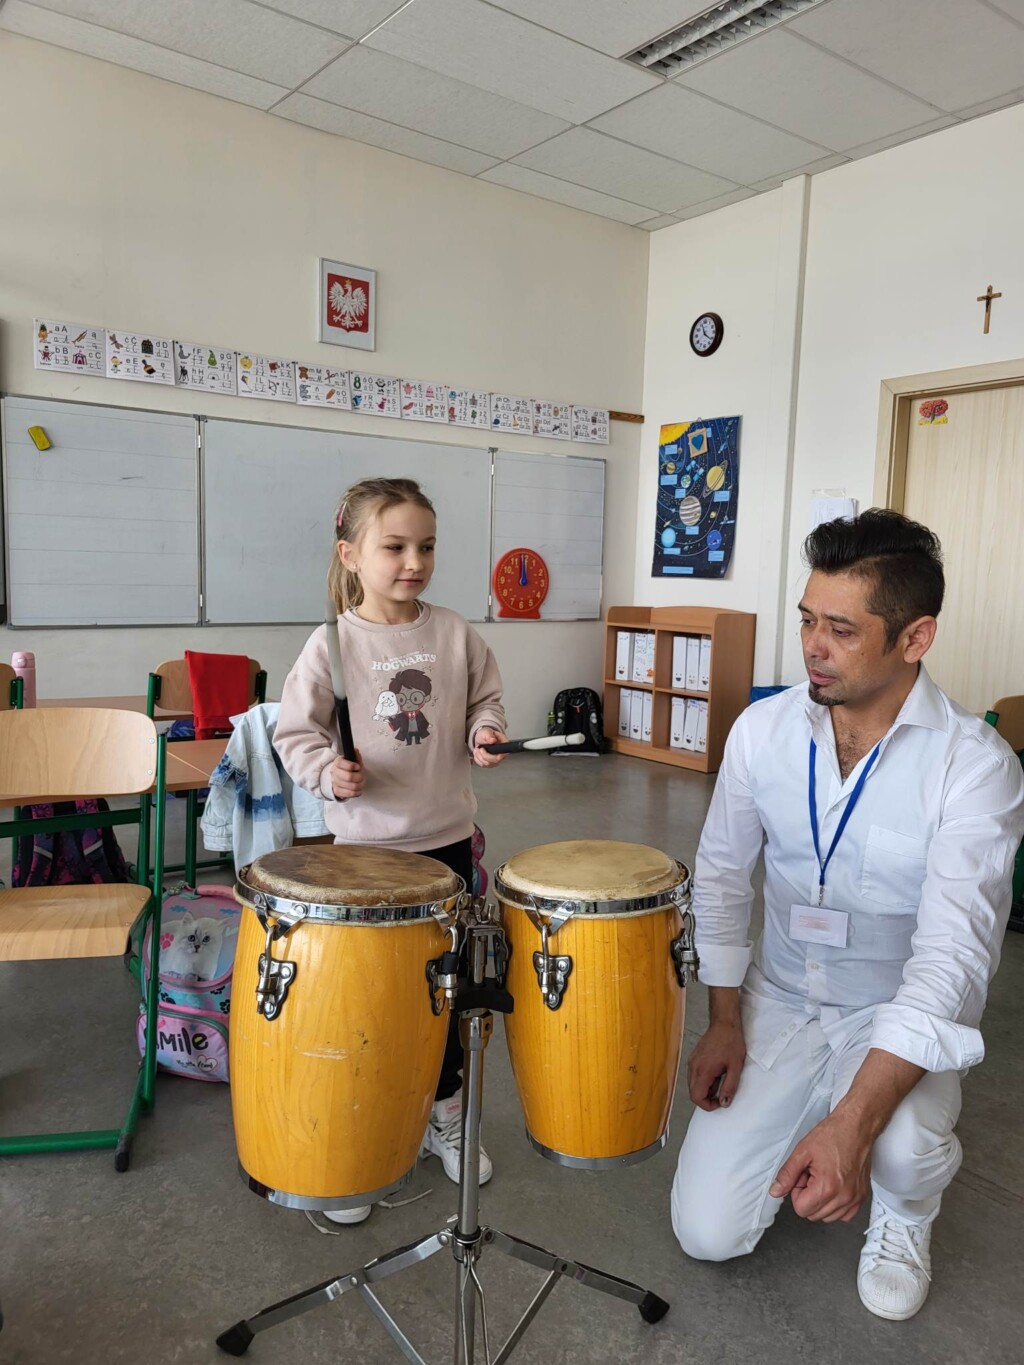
[{"x": 720, "y": 27}]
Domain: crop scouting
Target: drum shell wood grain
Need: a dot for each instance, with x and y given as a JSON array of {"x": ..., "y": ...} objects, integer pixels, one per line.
[
  {"x": 596, "y": 1077},
  {"x": 331, "y": 1099}
]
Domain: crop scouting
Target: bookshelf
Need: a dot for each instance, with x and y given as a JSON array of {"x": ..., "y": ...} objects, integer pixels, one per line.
[{"x": 732, "y": 671}]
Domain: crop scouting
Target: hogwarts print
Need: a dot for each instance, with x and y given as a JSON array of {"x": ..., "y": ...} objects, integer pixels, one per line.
[{"x": 407, "y": 697}]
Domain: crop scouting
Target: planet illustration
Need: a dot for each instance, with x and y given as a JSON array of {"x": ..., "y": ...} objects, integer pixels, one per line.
[
  {"x": 714, "y": 540},
  {"x": 668, "y": 537},
  {"x": 716, "y": 477},
  {"x": 689, "y": 511},
  {"x": 669, "y": 467},
  {"x": 685, "y": 481}
]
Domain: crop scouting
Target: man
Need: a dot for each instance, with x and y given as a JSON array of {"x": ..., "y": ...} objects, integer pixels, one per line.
[{"x": 890, "y": 819}]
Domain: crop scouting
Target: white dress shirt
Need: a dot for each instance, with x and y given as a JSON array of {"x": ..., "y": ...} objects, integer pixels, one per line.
[{"x": 923, "y": 870}]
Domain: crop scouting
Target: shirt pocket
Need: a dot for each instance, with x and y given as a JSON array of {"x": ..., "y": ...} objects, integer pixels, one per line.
[{"x": 894, "y": 869}]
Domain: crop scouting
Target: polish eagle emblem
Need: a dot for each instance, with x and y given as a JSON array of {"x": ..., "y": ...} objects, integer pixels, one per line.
[{"x": 348, "y": 304}]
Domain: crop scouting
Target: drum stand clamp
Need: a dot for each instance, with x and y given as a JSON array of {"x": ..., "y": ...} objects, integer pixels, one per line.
[{"x": 463, "y": 1235}]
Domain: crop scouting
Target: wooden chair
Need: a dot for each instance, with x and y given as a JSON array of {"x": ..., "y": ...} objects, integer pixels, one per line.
[
  {"x": 11, "y": 689},
  {"x": 62, "y": 754},
  {"x": 169, "y": 687}
]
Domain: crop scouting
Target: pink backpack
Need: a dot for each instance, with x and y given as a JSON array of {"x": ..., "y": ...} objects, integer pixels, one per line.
[{"x": 198, "y": 936}]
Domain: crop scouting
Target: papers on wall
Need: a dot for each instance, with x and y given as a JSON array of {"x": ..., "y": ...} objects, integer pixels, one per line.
[
  {"x": 553, "y": 420},
  {"x": 266, "y": 376},
  {"x": 210, "y": 368},
  {"x": 468, "y": 408},
  {"x": 511, "y": 414},
  {"x": 320, "y": 386},
  {"x": 133, "y": 355},
  {"x": 829, "y": 504},
  {"x": 424, "y": 402},
  {"x": 69, "y": 346},
  {"x": 590, "y": 425},
  {"x": 376, "y": 393}
]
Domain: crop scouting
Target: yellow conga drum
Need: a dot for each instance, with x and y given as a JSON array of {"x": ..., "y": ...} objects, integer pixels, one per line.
[
  {"x": 338, "y": 1023},
  {"x": 600, "y": 939}
]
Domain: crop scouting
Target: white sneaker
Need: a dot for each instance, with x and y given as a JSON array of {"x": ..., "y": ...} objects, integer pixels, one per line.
[
  {"x": 895, "y": 1270},
  {"x": 443, "y": 1138},
  {"x": 359, "y": 1215}
]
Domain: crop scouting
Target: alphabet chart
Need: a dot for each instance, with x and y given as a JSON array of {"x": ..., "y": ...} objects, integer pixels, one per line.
[
  {"x": 132, "y": 355},
  {"x": 266, "y": 376},
  {"x": 511, "y": 414},
  {"x": 210, "y": 368},
  {"x": 424, "y": 402},
  {"x": 469, "y": 408},
  {"x": 70, "y": 346},
  {"x": 590, "y": 425},
  {"x": 378, "y": 394},
  {"x": 319, "y": 386},
  {"x": 553, "y": 420}
]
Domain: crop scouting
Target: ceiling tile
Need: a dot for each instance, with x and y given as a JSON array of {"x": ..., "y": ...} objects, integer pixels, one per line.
[
  {"x": 682, "y": 124},
  {"x": 990, "y": 106},
  {"x": 361, "y": 128},
  {"x": 796, "y": 86},
  {"x": 722, "y": 201},
  {"x": 608, "y": 25},
  {"x": 575, "y": 196},
  {"x": 1014, "y": 8},
  {"x": 602, "y": 163},
  {"x": 663, "y": 220},
  {"x": 374, "y": 83},
  {"x": 353, "y": 17},
  {"x": 949, "y": 52},
  {"x": 231, "y": 33},
  {"x": 485, "y": 47},
  {"x": 825, "y": 163},
  {"x": 895, "y": 139},
  {"x": 32, "y": 22}
]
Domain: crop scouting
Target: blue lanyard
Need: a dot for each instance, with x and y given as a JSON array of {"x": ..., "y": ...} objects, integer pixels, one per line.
[{"x": 844, "y": 821}]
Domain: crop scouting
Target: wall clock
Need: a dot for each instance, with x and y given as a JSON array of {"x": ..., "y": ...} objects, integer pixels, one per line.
[
  {"x": 521, "y": 583},
  {"x": 706, "y": 334}
]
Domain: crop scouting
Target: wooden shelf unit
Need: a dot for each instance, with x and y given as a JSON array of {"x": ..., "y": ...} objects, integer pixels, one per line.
[{"x": 732, "y": 673}]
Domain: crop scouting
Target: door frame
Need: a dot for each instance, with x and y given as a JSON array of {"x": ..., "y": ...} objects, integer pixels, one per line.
[{"x": 895, "y": 404}]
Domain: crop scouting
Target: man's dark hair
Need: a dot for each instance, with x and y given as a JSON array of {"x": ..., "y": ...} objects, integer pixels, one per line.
[{"x": 900, "y": 558}]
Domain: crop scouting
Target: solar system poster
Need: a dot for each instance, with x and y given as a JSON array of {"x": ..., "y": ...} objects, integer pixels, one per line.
[{"x": 698, "y": 482}]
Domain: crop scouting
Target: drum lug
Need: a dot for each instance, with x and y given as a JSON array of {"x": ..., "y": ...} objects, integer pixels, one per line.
[
  {"x": 684, "y": 953},
  {"x": 552, "y": 972},
  {"x": 502, "y": 950},
  {"x": 275, "y": 978},
  {"x": 443, "y": 971}
]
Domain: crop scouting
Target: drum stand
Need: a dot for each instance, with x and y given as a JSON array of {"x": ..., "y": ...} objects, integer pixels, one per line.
[{"x": 462, "y": 1233}]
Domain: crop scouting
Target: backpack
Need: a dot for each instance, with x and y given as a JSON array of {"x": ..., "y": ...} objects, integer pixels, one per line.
[
  {"x": 71, "y": 857},
  {"x": 198, "y": 936},
  {"x": 577, "y": 710}
]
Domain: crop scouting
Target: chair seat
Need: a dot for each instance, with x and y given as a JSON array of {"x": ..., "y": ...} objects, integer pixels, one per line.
[{"x": 39, "y": 922}]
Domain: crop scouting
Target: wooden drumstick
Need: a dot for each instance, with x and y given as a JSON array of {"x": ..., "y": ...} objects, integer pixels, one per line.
[
  {"x": 517, "y": 746},
  {"x": 348, "y": 747}
]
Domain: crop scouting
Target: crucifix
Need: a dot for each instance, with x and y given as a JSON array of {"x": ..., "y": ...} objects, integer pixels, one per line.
[{"x": 986, "y": 299}]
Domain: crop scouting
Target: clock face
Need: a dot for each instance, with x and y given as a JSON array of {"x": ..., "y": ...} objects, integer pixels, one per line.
[
  {"x": 706, "y": 334},
  {"x": 521, "y": 583}
]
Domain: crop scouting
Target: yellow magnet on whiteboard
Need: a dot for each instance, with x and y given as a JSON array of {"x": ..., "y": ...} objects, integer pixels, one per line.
[{"x": 39, "y": 438}]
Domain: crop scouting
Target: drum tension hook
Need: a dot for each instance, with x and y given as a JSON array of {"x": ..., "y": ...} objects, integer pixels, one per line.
[
  {"x": 275, "y": 976},
  {"x": 443, "y": 972},
  {"x": 552, "y": 972},
  {"x": 684, "y": 953}
]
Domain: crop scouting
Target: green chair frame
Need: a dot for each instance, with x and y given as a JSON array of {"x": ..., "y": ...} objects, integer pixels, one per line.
[{"x": 144, "y": 1091}]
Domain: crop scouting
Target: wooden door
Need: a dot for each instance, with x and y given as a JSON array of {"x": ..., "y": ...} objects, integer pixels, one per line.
[{"x": 965, "y": 480}]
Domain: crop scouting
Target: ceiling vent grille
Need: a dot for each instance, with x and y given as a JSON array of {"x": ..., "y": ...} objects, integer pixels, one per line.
[{"x": 717, "y": 29}]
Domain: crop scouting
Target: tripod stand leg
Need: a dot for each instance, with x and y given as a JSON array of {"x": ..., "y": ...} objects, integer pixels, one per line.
[{"x": 237, "y": 1339}]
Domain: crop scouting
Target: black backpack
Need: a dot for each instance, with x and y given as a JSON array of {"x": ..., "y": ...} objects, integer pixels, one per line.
[{"x": 577, "y": 711}]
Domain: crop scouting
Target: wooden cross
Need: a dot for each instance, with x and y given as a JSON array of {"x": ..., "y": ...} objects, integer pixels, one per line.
[{"x": 986, "y": 299}]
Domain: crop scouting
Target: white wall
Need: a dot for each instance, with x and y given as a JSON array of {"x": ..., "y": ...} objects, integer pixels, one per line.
[{"x": 131, "y": 202}]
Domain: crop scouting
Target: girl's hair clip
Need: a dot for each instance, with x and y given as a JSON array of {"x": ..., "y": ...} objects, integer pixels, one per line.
[{"x": 341, "y": 514}]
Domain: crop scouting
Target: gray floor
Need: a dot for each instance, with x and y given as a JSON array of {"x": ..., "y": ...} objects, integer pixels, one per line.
[{"x": 151, "y": 1265}]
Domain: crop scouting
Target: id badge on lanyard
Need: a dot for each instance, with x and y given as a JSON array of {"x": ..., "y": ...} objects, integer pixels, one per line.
[{"x": 818, "y": 923}]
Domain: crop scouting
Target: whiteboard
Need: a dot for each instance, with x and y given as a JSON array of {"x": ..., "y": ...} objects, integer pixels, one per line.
[
  {"x": 102, "y": 528},
  {"x": 555, "y": 505},
  {"x": 269, "y": 499}
]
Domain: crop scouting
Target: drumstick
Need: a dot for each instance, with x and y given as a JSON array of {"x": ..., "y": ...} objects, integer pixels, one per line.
[
  {"x": 515, "y": 746},
  {"x": 348, "y": 747}
]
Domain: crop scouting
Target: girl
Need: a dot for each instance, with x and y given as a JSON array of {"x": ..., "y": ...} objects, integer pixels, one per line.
[{"x": 422, "y": 686}]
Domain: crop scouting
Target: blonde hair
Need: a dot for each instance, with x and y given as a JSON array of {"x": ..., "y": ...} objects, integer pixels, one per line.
[{"x": 363, "y": 502}]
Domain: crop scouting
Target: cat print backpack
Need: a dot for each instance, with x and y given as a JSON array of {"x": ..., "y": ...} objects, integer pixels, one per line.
[{"x": 198, "y": 934}]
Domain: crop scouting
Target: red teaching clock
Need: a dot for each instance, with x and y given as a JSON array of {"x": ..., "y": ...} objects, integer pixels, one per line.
[{"x": 521, "y": 583}]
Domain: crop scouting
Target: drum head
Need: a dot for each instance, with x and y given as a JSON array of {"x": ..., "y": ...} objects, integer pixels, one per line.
[
  {"x": 347, "y": 874},
  {"x": 590, "y": 870}
]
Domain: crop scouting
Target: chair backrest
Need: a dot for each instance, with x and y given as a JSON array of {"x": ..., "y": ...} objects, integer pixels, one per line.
[
  {"x": 7, "y": 676},
  {"x": 64, "y": 752},
  {"x": 1010, "y": 722},
  {"x": 176, "y": 690}
]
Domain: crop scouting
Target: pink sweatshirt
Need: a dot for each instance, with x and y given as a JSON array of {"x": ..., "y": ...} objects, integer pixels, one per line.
[{"x": 417, "y": 693}]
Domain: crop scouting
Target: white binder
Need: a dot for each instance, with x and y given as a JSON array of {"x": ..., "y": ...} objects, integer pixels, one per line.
[
  {"x": 648, "y": 714},
  {"x": 636, "y": 716},
  {"x": 692, "y": 662},
  {"x": 704, "y": 683},
  {"x": 702, "y": 727},
  {"x": 679, "y": 661},
  {"x": 675, "y": 738},
  {"x": 623, "y": 655},
  {"x": 690, "y": 725},
  {"x": 624, "y": 699}
]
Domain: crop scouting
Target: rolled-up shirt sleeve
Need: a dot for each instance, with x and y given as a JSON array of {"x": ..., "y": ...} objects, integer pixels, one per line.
[
  {"x": 933, "y": 1020},
  {"x": 730, "y": 846}
]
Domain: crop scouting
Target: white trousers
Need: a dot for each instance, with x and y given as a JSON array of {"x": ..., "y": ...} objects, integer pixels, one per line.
[{"x": 720, "y": 1201}]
